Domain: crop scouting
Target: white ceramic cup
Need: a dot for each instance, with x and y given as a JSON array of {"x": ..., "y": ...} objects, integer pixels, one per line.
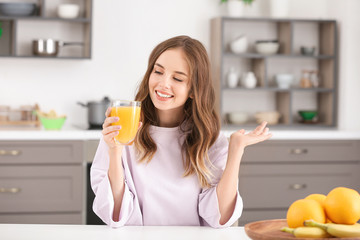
[{"x": 68, "y": 10}]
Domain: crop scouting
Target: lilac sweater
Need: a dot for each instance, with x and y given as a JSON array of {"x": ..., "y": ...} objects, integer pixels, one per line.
[{"x": 156, "y": 193}]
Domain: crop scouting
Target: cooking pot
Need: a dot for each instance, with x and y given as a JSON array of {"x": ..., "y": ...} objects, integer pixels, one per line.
[
  {"x": 96, "y": 112},
  {"x": 50, "y": 47}
]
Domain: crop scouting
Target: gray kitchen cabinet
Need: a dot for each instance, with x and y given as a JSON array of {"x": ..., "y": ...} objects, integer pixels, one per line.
[
  {"x": 275, "y": 173},
  {"x": 20, "y": 31},
  {"x": 292, "y": 34},
  {"x": 41, "y": 182}
]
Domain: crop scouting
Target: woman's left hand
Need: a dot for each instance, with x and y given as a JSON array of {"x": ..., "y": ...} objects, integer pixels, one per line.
[{"x": 241, "y": 140}]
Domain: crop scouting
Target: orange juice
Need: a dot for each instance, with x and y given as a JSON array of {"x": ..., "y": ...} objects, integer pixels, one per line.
[{"x": 129, "y": 117}]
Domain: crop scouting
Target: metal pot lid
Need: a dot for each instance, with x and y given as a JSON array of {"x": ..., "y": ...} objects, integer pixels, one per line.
[{"x": 104, "y": 101}]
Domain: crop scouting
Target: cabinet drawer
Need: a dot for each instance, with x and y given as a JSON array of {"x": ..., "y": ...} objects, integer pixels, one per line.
[
  {"x": 59, "y": 218},
  {"x": 277, "y": 186},
  {"x": 257, "y": 215},
  {"x": 50, "y": 152},
  {"x": 34, "y": 189},
  {"x": 303, "y": 151}
]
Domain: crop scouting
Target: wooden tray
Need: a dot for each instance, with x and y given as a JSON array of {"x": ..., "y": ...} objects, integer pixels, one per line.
[{"x": 270, "y": 230}]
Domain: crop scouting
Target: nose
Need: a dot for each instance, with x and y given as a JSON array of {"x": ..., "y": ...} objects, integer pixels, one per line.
[{"x": 165, "y": 81}]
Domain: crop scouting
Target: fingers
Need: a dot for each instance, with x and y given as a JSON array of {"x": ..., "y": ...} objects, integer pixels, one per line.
[
  {"x": 109, "y": 120},
  {"x": 108, "y": 111},
  {"x": 111, "y": 129},
  {"x": 260, "y": 129},
  {"x": 140, "y": 125},
  {"x": 265, "y": 134}
]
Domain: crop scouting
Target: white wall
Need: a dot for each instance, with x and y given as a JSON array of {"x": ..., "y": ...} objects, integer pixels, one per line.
[{"x": 124, "y": 33}]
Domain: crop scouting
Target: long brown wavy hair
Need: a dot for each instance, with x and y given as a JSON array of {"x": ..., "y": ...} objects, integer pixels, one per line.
[{"x": 202, "y": 125}]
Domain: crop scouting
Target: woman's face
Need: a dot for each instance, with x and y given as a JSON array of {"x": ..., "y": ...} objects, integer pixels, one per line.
[{"x": 169, "y": 82}]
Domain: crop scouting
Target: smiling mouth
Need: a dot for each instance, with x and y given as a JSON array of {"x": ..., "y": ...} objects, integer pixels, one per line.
[{"x": 163, "y": 95}]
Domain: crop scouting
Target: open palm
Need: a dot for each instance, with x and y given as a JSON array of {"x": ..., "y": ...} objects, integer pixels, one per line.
[{"x": 242, "y": 139}]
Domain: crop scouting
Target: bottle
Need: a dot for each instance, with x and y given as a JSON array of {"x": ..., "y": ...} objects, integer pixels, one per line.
[
  {"x": 232, "y": 78},
  {"x": 314, "y": 78}
]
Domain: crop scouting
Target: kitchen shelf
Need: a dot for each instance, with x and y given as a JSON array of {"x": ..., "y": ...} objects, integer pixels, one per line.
[
  {"x": 274, "y": 89},
  {"x": 257, "y": 55},
  {"x": 82, "y": 20},
  {"x": 40, "y": 57},
  {"x": 266, "y": 96},
  {"x": 20, "y": 31}
]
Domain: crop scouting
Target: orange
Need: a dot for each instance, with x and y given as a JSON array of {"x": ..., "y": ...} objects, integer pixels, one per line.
[
  {"x": 304, "y": 209},
  {"x": 320, "y": 198},
  {"x": 342, "y": 205}
]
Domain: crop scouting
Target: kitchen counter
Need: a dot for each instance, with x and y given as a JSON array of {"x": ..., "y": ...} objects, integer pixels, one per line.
[
  {"x": 81, "y": 134},
  {"x": 89, "y": 232}
]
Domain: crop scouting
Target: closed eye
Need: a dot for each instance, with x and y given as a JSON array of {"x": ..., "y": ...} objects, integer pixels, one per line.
[
  {"x": 179, "y": 80},
  {"x": 157, "y": 72}
]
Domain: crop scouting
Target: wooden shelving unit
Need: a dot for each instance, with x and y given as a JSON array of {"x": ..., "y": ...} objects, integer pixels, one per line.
[
  {"x": 16, "y": 44},
  {"x": 291, "y": 34}
]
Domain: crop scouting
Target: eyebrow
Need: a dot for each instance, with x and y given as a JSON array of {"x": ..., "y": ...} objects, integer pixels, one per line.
[{"x": 178, "y": 72}]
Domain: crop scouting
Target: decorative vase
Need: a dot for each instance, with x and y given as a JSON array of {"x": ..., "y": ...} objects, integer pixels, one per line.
[
  {"x": 248, "y": 80},
  {"x": 235, "y": 8},
  {"x": 279, "y": 8},
  {"x": 239, "y": 44},
  {"x": 232, "y": 78}
]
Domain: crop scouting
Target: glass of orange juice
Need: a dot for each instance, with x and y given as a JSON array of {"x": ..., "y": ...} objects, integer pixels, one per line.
[{"x": 128, "y": 113}]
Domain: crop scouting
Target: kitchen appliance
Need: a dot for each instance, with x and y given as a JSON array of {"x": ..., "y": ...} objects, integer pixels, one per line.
[
  {"x": 50, "y": 47},
  {"x": 96, "y": 112}
]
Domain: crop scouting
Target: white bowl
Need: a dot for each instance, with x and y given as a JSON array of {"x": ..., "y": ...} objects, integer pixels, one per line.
[
  {"x": 269, "y": 117},
  {"x": 238, "y": 117},
  {"x": 284, "y": 80},
  {"x": 267, "y": 47},
  {"x": 68, "y": 10}
]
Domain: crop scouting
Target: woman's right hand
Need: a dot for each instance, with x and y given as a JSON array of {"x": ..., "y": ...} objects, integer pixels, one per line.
[{"x": 109, "y": 132}]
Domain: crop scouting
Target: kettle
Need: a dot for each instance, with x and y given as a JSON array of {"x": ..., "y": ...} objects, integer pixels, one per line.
[{"x": 96, "y": 112}]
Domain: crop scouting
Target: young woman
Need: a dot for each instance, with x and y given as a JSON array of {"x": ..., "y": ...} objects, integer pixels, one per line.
[{"x": 180, "y": 169}]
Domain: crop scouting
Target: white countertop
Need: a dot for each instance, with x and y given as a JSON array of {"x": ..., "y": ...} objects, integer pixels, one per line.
[
  {"x": 81, "y": 134},
  {"x": 96, "y": 232}
]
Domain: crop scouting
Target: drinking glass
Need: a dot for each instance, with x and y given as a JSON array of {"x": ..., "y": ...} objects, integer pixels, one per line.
[{"x": 128, "y": 113}]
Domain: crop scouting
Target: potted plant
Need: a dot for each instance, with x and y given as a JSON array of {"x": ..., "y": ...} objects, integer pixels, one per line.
[{"x": 235, "y": 8}]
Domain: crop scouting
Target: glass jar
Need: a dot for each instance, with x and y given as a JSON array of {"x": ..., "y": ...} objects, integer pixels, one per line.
[
  {"x": 305, "y": 79},
  {"x": 4, "y": 113}
]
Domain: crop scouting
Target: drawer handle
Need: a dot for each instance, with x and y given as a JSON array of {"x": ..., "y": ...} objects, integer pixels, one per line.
[
  {"x": 10, "y": 190},
  {"x": 298, "y": 151},
  {"x": 298, "y": 186},
  {"x": 10, "y": 153}
]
